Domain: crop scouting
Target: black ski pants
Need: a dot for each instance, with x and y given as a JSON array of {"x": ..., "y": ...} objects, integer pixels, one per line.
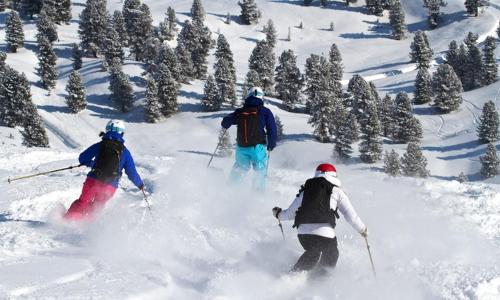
[{"x": 318, "y": 249}]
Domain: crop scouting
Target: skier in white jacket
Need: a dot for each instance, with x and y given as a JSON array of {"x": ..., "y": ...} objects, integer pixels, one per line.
[{"x": 315, "y": 212}]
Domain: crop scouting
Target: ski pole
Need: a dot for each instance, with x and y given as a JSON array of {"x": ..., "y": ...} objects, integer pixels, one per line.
[
  {"x": 147, "y": 202},
  {"x": 370, "y": 254},
  {"x": 281, "y": 227},
  {"x": 267, "y": 165},
  {"x": 216, "y": 148},
  {"x": 43, "y": 173}
]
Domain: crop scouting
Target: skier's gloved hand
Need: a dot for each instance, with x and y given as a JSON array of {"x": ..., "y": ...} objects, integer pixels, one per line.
[
  {"x": 269, "y": 148},
  {"x": 276, "y": 212},
  {"x": 142, "y": 187},
  {"x": 364, "y": 233}
]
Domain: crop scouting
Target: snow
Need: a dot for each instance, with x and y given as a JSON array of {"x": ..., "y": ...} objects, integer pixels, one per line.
[{"x": 431, "y": 239}]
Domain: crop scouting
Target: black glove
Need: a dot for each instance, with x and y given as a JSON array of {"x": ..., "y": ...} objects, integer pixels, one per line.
[
  {"x": 269, "y": 148},
  {"x": 141, "y": 187},
  {"x": 276, "y": 212}
]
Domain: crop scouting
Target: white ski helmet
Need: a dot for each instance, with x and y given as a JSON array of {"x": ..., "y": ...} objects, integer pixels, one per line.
[
  {"x": 256, "y": 91},
  {"x": 115, "y": 126}
]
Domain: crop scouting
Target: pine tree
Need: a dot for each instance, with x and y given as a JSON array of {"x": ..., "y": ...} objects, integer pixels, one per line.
[
  {"x": 28, "y": 8},
  {"x": 421, "y": 52},
  {"x": 252, "y": 79},
  {"x": 250, "y": 14},
  {"x": 47, "y": 63},
  {"x": 434, "y": 14},
  {"x": 225, "y": 72},
  {"x": 392, "y": 163},
  {"x": 487, "y": 130},
  {"x": 225, "y": 147},
  {"x": 406, "y": 127},
  {"x": 371, "y": 141},
  {"x": 423, "y": 87},
  {"x": 375, "y": 7},
  {"x": 64, "y": 11},
  {"x": 172, "y": 23},
  {"x": 211, "y": 99},
  {"x": 413, "y": 162},
  {"x": 143, "y": 32},
  {"x": 462, "y": 177},
  {"x": 337, "y": 67},
  {"x": 271, "y": 34},
  {"x": 14, "y": 34},
  {"x": 279, "y": 128},
  {"x": 472, "y": 7},
  {"x": 93, "y": 26},
  {"x": 196, "y": 38},
  {"x": 167, "y": 91},
  {"x": 498, "y": 30},
  {"x": 454, "y": 59},
  {"x": 113, "y": 47},
  {"x": 34, "y": 134},
  {"x": 307, "y": 2},
  {"x": 14, "y": 98},
  {"x": 361, "y": 97},
  {"x": 323, "y": 105},
  {"x": 186, "y": 68},
  {"x": 489, "y": 162},
  {"x": 312, "y": 79},
  {"x": 2, "y": 5},
  {"x": 152, "y": 110},
  {"x": 353, "y": 126},
  {"x": 168, "y": 57},
  {"x": 386, "y": 112},
  {"x": 447, "y": 89},
  {"x": 397, "y": 20},
  {"x": 228, "y": 19},
  {"x": 77, "y": 57},
  {"x": 197, "y": 11},
  {"x": 288, "y": 80},
  {"x": 262, "y": 60},
  {"x": 473, "y": 63},
  {"x": 76, "y": 99},
  {"x": 119, "y": 26},
  {"x": 344, "y": 136},
  {"x": 46, "y": 27},
  {"x": 122, "y": 94},
  {"x": 324, "y": 3},
  {"x": 490, "y": 66}
]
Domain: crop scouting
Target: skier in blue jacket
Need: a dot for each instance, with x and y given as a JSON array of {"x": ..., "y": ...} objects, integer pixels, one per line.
[
  {"x": 257, "y": 133},
  {"x": 107, "y": 159}
]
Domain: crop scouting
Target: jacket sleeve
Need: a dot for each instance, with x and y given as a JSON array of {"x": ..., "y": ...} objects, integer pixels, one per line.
[
  {"x": 229, "y": 120},
  {"x": 289, "y": 213},
  {"x": 347, "y": 210},
  {"x": 130, "y": 169},
  {"x": 86, "y": 158},
  {"x": 271, "y": 130}
]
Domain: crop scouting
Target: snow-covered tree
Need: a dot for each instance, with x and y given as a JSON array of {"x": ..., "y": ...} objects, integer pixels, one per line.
[
  {"x": 152, "y": 109},
  {"x": 250, "y": 14},
  {"x": 279, "y": 128},
  {"x": 211, "y": 99},
  {"x": 225, "y": 72},
  {"x": 386, "y": 112},
  {"x": 196, "y": 38},
  {"x": 344, "y": 134},
  {"x": 63, "y": 8},
  {"x": 489, "y": 162},
  {"x": 434, "y": 11},
  {"x": 131, "y": 15},
  {"x": 371, "y": 140},
  {"x": 14, "y": 98},
  {"x": 228, "y": 19},
  {"x": 455, "y": 59},
  {"x": 34, "y": 134},
  {"x": 490, "y": 65},
  {"x": 423, "y": 87},
  {"x": 186, "y": 69},
  {"x": 113, "y": 47},
  {"x": 413, "y": 162},
  {"x": 122, "y": 93},
  {"x": 397, "y": 20},
  {"x": 93, "y": 26},
  {"x": 473, "y": 64},
  {"x": 251, "y": 79},
  {"x": 77, "y": 56},
  {"x": 472, "y": 7},
  {"x": 406, "y": 128},
  {"x": 29, "y": 8},
  {"x": 167, "y": 56},
  {"x": 76, "y": 99},
  {"x": 337, "y": 67},
  {"x": 462, "y": 177},
  {"x": 487, "y": 130},
  {"x": 262, "y": 60},
  {"x": 361, "y": 97},
  {"x": 46, "y": 27},
  {"x": 46, "y": 63},
  {"x": 312, "y": 79},
  {"x": 2, "y": 5},
  {"x": 392, "y": 163},
  {"x": 225, "y": 145},
  {"x": 197, "y": 11},
  {"x": 421, "y": 52},
  {"x": 143, "y": 32},
  {"x": 447, "y": 89},
  {"x": 376, "y": 7},
  {"x": 14, "y": 34},
  {"x": 119, "y": 26},
  {"x": 168, "y": 27},
  {"x": 271, "y": 34},
  {"x": 288, "y": 80},
  {"x": 167, "y": 91}
]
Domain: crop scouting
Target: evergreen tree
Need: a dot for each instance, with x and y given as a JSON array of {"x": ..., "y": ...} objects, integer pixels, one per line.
[
  {"x": 196, "y": 38},
  {"x": 462, "y": 178},
  {"x": 119, "y": 26},
  {"x": 252, "y": 79},
  {"x": 63, "y": 11},
  {"x": 197, "y": 11},
  {"x": 228, "y": 19},
  {"x": 434, "y": 14},
  {"x": 397, "y": 20},
  {"x": 93, "y": 26},
  {"x": 77, "y": 57},
  {"x": 113, "y": 47},
  {"x": 288, "y": 80},
  {"x": 344, "y": 136},
  {"x": 122, "y": 94},
  {"x": 14, "y": 34},
  {"x": 376, "y": 96},
  {"x": 386, "y": 112},
  {"x": 392, "y": 163},
  {"x": 225, "y": 147},
  {"x": 423, "y": 87},
  {"x": 131, "y": 15},
  {"x": 167, "y": 91},
  {"x": 28, "y": 8},
  {"x": 337, "y": 67},
  {"x": 490, "y": 66},
  {"x": 447, "y": 89},
  {"x": 371, "y": 141},
  {"x": 324, "y": 3},
  {"x": 271, "y": 34},
  {"x": 375, "y": 7},
  {"x": 211, "y": 99},
  {"x": 307, "y": 2},
  {"x": 143, "y": 32},
  {"x": 323, "y": 105},
  {"x": 34, "y": 134},
  {"x": 225, "y": 72},
  {"x": 487, "y": 130},
  {"x": 312, "y": 79},
  {"x": 279, "y": 128},
  {"x": 250, "y": 14},
  {"x": 152, "y": 111},
  {"x": 413, "y": 162},
  {"x": 2, "y": 5},
  {"x": 353, "y": 126},
  {"x": 453, "y": 58},
  {"x": 46, "y": 27},
  {"x": 462, "y": 59},
  {"x": 406, "y": 127},
  {"x": 76, "y": 99},
  {"x": 14, "y": 98},
  {"x": 361, "y": 97},
  {"x": 473, "y": 64},
  {"x": 472, "y": 7},
  {"x": 172, "y": 23},
  {"x": 421, "y": 52},
  {"x": 489, "y": 162},
  {"x": 186, "y": 68},
  {"x": 47, "y": 63},
  {"x": 498, "y": 30},
  {"x": 262, "y": 60},
  {"x": 168, "y": 57}
]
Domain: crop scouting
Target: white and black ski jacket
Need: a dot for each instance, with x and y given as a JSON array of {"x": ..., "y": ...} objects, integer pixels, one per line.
[{"x": 338, "y": 200}]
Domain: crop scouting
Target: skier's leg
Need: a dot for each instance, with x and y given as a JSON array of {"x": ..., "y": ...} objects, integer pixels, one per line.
[
  {"x": 310, "y": 258},
  {"x": 79, "y": 208},
  {"x": 259, "y": 163},
  {"x": 241, "y": 165},
  {"x": 104, "y": 194},
  {"x": 330, "y": 255}
]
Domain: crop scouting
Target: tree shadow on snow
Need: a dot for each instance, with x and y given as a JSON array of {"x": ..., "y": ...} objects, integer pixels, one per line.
[
  {"x": 336, "y": 5},
  {"x": 378, "y": 67},
  {"x": 53, "y": 108},
  {"x": 218, "y": 115},
  {"x": 253, "y": 40},
  {"x": 222, "y": 18},
  {"x": 456, "y": 147},
  {"x": 446, "y": 20}
]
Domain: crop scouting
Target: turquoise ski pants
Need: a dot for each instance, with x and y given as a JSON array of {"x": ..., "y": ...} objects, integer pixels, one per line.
[{"x": 247, "y": 157}]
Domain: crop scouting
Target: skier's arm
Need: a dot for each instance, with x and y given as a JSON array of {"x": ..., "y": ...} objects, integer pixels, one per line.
[
  {"x": 131, "y": 171},
  {"x": 289, "y": 213},
  {"x": 271, "y": 130},
  {"x": 86, "y": 158},
  {"x": 347, "y": 210},
  {"x": 229, "y": 120}
]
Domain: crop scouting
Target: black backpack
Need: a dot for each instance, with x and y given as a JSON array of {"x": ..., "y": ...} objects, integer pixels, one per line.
[
  {"x": 315, "y": 207},
  {"x": 106, "y": 167},
  {"x": 249, "y": 131}
]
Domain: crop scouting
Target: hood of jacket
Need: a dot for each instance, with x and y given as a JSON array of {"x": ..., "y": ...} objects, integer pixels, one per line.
[
  {"x": 252, "y": 101},
  {"x": 331, "y": 178},
  {"x": 114, "y": 136}
]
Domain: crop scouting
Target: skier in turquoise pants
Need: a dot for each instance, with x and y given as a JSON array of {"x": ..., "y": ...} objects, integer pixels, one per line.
[{"x": 257, "y": 134}]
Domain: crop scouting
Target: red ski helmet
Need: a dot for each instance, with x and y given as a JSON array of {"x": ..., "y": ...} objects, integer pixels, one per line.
[{"x": 327, "y": 168}]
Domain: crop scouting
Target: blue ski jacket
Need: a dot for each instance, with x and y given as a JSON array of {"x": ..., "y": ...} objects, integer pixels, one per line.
[
  {"x": 266, "y": 118},
  {"x": 89, "y": 157}
]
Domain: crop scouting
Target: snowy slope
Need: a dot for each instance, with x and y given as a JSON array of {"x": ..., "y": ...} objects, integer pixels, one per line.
[{"x": 432, "y": 239}]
